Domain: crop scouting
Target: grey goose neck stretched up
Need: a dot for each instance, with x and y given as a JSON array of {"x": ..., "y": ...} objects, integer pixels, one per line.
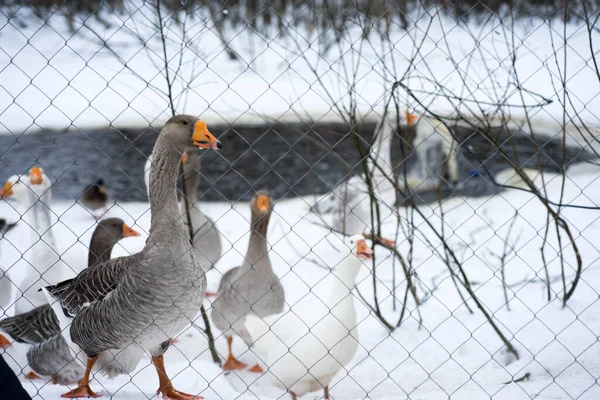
[
  {"x": 117, "y": 310},
  {"x": 207, "y": 239},
  {"x": 252, "y": 288},
  {"x": 50, "y": 354}
]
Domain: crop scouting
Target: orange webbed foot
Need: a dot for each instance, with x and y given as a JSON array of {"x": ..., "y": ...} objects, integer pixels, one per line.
[
  {"x": 210, "y": 294},
  {"x": 257, "y": 369},
  {"x": 32, "y": 375},
  {"x": 81, "y": 391},
  {"x": 232, "y": 364},
  {"x": 173, "y": 394},
  {"x": 4, "y": 342}
]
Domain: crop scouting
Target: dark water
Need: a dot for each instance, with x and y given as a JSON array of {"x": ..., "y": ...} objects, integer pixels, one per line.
[{"x": 287, "y": 159}]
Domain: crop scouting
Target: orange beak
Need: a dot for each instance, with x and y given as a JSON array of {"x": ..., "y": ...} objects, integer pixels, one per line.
[
  {"x": 6, "y": 191},
  {"x": 363, "y": 250},
  {"x": 262, "y": 203},
  {"x": 129, "y": 232},
  {"x": 35, "y": 176},
  {"x": 411, "y": 118},
  {"x": 203, "y": 138},
  {"x": 184, "y": 157}
]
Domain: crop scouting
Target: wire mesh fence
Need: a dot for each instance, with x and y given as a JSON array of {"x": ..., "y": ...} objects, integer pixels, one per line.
[{"x": 265, "y": 200}]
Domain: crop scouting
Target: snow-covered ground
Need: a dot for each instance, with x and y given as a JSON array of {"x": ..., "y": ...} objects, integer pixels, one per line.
[
  {"x": 101, "y": 75},
  {"x": 454, "y": 354},
  {"x": 52, "y": 78}
]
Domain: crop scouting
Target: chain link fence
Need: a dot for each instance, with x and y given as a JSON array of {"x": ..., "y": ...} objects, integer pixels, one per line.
[{"x": 403, "y": 205}]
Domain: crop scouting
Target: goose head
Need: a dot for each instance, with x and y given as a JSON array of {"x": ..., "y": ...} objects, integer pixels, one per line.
[
  {"x": 112, "y": 230},
  {"x": 358, "y": 247},
  {"x": 100, "y": 186},
  {"x": 16, "y": 188},
  {"x": 261, "y": 206},
  {"x": 39, "y": 181},
  {"x": 183, "y": 131},
  {"x": 411, "y": 118}
]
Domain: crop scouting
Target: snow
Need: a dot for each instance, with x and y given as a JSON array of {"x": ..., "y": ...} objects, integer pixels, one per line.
[
  {"x": 454, "y": 354},
  {"x": 113, "y": 75},
  {"x": 54, "y": 79}
]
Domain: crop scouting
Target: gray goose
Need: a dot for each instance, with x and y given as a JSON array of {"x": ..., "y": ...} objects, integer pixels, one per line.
[
  {"x": 252, "y": 288},
  {"x": 207, "y": 239},
  {"x": 117, "y": 310},
  {"x": 50, "y": 354}
]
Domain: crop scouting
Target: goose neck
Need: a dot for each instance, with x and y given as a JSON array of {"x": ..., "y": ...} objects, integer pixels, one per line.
[
  {"x": 257, "y": 247},
  {"x": 344, "y": 278},
  {"x": 100, "y": 251},
  {"x": 41, "y": 219},
  {"x": 166, "y": 224},
  {"x": 191, "y": 178}
]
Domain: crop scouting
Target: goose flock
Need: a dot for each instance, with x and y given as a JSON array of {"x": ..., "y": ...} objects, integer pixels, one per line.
[{"x": 108, "y": 316}]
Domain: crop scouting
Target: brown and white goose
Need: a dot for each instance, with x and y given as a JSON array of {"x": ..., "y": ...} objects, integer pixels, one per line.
[
  {"x": 252, "y": 288},
  {"x": 117, "y": 310},
  {"x": 50, "y": 354}
]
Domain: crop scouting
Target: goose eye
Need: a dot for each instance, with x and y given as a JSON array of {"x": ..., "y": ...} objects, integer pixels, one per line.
[{"x": 185, "y": 122}]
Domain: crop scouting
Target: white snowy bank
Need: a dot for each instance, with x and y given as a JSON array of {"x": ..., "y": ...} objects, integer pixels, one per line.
[{"x": 101, "y": 76}]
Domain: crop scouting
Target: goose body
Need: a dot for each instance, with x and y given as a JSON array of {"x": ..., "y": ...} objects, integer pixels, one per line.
[
  {"x": 431, "y": 134},
  {"x": 207, "y": 239},
  {"x": 252, "y": 288},
  {"x": 117, "y": 310},
  {"x": 347, "y": 207},
  {"x": 43, "y": 265},
  {"x": 50, "y": 353},
  {"x": 305, "y": 347}
]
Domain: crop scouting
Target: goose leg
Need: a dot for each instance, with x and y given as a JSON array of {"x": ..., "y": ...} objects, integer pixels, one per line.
[
  {"x": 32, "y": 375},
  {"x": 83, "y": 389},
  {"x": 165, "y": 386},
  {"x": 232, "y": 362},
  {"x": 4, "y": 342},
  {"x": 326, "y": 392},
  {"x": 257, "y": 369},
  {"x": 294, "y": 397}
]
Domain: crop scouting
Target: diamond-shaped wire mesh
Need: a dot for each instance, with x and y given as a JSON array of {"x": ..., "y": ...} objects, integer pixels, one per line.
[{"x": 387, "y": 199}]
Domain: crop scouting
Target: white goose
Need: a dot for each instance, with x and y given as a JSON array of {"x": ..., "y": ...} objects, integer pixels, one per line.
[
  {"x": 43, "y": 265},
  {"x": 348, "y": 203},
  {"x": 303, "y": 351}
]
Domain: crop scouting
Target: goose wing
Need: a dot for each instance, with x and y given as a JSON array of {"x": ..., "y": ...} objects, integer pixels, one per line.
[
  {"x": 92, "y": 285},
  {"x": 32, "y": 327}
]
